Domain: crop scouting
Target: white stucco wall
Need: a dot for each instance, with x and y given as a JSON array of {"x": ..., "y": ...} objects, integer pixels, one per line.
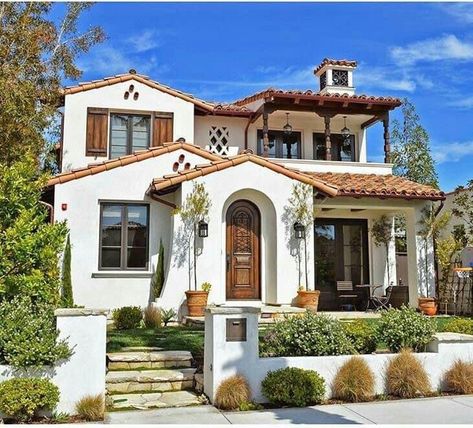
[
  {"x": 84, "y": 372},
  {"x": 111, "y": 97},
  {"x": 223, "y": 359}
]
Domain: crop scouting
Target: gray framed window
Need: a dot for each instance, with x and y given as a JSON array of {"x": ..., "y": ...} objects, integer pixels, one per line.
[
  {"x": 342, "y": 149},
  {"x": 128, "y": 133},
  {"x": 281, "y": 145},
  {"x": 124, "y": 236}
]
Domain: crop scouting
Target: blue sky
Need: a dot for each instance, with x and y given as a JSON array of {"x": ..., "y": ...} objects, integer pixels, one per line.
[{"x": 217, "y": 51}]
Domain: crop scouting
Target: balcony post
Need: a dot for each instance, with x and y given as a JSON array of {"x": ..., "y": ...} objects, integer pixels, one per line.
[
  {"x": 265, "y": 135},
  {"x": 387, "y": 139},
  {"x": 328, "y": 143}
]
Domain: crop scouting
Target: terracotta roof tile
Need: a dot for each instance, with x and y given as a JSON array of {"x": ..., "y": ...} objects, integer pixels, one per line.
[
  {"x": 341, "y": 62},
  {"x": 381, "y": 186},
  {"x": 219, "y": 165},
  {"x": 96, "y": 168},
  {"x": 271, "y": 92}
]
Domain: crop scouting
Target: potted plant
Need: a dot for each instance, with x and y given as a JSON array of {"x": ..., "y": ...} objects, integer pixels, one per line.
[
  {"x": 194, "y": 213},
  {"x": 301, "y": 213},
  {"x": 431, "y": 225}
]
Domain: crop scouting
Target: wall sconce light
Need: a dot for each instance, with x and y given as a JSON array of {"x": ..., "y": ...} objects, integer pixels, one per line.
[
  {"x": 203, "y": 229},
  {"x": 299, "y": 230}
]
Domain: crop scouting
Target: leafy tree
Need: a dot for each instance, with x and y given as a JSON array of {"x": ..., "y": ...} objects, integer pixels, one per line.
[
  {"x": 29, "y": 245},
  {"x": 382, "y": 233},
  {"x": 463, "y": 209},
  {"x": 158, "y": 278},
  {"x": 195, "y": 208},
  {"x": 67, "y": 296},
  {"x": 36, "y": 54},
  {"x": 411, "y": 148}
]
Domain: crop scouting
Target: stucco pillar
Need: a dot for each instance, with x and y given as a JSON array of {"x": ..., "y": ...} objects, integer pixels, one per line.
[
  {"x": 420, "y": 258},
  {"x": 225, "y": 356}
]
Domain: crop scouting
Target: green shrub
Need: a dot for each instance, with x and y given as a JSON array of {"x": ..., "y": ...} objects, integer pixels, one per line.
[
  {"x": 127, "y": 317},
  {"x": 28, "y": 335},
  {"x": 459, "y": 325},
  {"x": 361, "y": 335},
  {"x": 309, "y": 334},
  {"x": 23, "y": 398},
  {"x": 293, "y": 387},
  {"x": 405, "y": 328},
  {"x": 152, "y": 317},
  {"x": 91, "y": 407},
  {"x": 354, "y": 381}
]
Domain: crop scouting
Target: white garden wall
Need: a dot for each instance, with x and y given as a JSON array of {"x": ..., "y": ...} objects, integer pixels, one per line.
[
  {"x": 84, "y": 372},
  {"x": 223, "y": 358}
]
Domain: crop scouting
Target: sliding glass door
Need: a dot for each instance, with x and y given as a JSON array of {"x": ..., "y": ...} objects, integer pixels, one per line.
[{"x": 341, "y": 254}]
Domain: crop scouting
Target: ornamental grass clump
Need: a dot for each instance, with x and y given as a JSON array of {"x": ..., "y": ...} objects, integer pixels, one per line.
[
  {"x": 307, "y": 335},
  {"x": 459, "y": 378},
  {"x": 354, "y": 381},
  {"x": 23, "y": 398},
  {"x": 152, "y": 317},
  {"x": 293, "y": 386},
  {"x": 406, "y": 377},
  {"x": 232, "y": 393},
  {"x": 405, "y": 328},
  {"x": 91, "y": 407}
]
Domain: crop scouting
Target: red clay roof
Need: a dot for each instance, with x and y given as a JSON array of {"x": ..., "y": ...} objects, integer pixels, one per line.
[
  {"x": 340, "y": 62},
  {"x": 126, "y": 160},
  {"x": 365, "y": 99},
  {"x": 219, "y": 165},
  {"x": 380, "y": 186}
]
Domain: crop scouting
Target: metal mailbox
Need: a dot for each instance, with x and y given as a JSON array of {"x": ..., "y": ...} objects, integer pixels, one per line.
[{"x": 236, "y": 330}]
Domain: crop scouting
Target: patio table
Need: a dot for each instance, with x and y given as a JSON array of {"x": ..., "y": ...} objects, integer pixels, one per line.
[{"x": 370, "y": 288}]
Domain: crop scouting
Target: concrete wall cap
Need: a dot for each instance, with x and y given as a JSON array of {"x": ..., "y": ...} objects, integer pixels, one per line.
[
  {"x": 452, "y": 337},
  {"x": 227, "y": 310},
  {"x": 79, "y": 312}
]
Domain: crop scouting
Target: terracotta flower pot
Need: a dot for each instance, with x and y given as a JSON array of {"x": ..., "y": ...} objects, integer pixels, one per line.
[
  {"x": 427, "y": 305},
  {"x": 196, "y": 302},
  {"x": 308, "y": 299}
]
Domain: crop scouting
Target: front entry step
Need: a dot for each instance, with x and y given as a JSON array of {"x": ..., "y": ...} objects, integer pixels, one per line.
[
  {"x": 149, "y": 380},
  {"x": 148, "y": 360},
  {"x": 154, "y": 400}
]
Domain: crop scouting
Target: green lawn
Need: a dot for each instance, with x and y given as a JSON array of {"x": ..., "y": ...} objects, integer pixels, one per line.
[{"x": 169, "y": 338}]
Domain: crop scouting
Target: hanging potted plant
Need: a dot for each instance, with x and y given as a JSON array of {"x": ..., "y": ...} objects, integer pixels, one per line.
[
  {"x": 431, "y": 225},
  {"x": 194, "y": 213},
  {"x": 301, "y": 213}
]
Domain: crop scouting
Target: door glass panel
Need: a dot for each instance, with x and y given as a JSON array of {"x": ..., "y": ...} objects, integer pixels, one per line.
[
  {"x": 281, "y": 145},
  {"x": 353, "y": 254},
  {"x": 325, "y": 254}
]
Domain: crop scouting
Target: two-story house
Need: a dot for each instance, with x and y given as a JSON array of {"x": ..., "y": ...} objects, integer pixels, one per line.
[{"x": 132, "y": 149}]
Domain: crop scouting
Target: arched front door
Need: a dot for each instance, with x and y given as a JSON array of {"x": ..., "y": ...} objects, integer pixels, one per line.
[{"x": 243, "y": 251}]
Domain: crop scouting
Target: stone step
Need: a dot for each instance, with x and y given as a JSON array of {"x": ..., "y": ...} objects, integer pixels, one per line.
[
  {"x": 150, "y": 360},
  {"x": 149, "y": 380},
  {"x": 154, "y": 400}
]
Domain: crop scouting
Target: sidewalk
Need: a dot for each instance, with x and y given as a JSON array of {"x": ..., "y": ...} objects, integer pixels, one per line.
[{"x": 438, "y": 410}]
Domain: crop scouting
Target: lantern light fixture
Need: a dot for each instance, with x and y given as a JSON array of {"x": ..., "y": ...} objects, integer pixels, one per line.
[
  {"x": 203, "y": 229},
  {"x": 345, "y": 131},
  {"x": 287, "y": 127},
  {"x": 299, "y": 230}
]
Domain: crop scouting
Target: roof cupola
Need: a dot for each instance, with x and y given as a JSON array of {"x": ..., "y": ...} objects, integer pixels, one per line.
[{"x": 336, "y": 76}]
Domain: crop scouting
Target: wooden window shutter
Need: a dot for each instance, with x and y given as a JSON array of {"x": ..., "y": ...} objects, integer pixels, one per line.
[
  {"x": 162, "y": 128},
  {"x": 97, "y": 127}
]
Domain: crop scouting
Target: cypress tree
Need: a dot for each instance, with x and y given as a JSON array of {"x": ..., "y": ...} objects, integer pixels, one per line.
[
  {"x": 67, "y": 298},
  {"x": 159, "y": 273}
]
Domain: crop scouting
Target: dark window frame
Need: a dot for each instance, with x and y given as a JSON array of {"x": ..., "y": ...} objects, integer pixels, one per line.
[
  {"x": 342, "y": 75},
  {"x": 124, "y": 236},
  {"x": 335, "y": 146},
  {"x": 279, "y": 151},
  {"x": 129, "y": 131}
]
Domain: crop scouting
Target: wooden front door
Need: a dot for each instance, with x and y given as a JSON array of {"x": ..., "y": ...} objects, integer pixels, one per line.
[{"x": 243, "y": 251}]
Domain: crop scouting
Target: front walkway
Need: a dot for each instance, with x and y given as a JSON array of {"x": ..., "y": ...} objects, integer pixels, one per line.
[{"x": 439, "y": 410}]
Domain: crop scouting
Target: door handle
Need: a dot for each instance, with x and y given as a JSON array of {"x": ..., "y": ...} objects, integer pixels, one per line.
[{"x": 228, "y": 262}]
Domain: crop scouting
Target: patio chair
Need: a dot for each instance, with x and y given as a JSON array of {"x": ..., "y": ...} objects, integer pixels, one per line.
[
  {"x": 344, "y": 288},
  {"x": 382, "y": 302}
]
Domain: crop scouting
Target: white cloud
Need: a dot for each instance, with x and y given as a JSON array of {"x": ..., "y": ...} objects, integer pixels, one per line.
[
  {"x": 446, "y": 47},
  {"x": 144, "y": 41},
  {"x": 452, "y": 152},
  {"x": 462, "y": 102},
  {"x": 463, "y": 12},
  {"x": 383, "y": 78}
]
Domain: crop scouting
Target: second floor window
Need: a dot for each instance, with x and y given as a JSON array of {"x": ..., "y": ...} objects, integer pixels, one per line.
[
  {"x": 128, "y": 133},
  {"x": 343, "y": 149},
  {"x": 281, "y": 145}
]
